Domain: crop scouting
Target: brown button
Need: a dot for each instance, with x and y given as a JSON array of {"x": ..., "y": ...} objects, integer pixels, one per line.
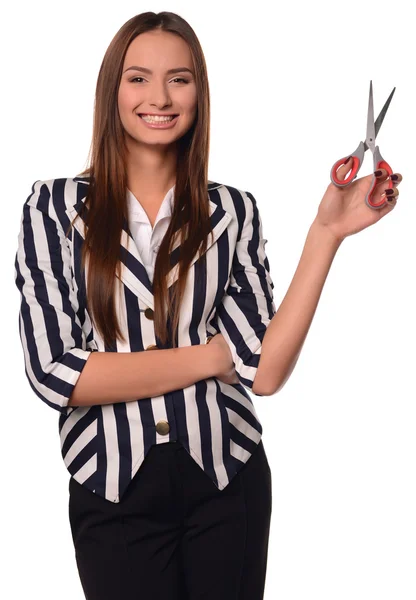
[
  {"x": 148, "y": 313},
  {"x": 162, "y": 427},
  {"x": 152, "y": 347}
]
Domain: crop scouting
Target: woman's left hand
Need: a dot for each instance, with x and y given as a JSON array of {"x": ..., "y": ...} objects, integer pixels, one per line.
[{"x": 343, "y": 210}]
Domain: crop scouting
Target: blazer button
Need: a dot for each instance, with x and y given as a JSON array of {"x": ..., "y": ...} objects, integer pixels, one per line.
[
  {"x": 148, "y": 313},
  {"x": 162, "y": 427},
  {"x": 152, "y": 347}
]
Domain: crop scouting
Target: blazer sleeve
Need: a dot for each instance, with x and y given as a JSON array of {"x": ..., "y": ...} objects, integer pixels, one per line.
[
  {"x": 54, "y": 344},
  {"x": 248, "y": 303}
]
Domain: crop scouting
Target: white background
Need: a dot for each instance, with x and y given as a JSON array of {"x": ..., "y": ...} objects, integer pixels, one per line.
[{"x": 289, "y": 89}]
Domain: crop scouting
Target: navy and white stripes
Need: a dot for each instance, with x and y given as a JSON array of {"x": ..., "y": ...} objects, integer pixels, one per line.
[
  {"x": 104, "y": 445},
  {"x": 53, "y": 339}
]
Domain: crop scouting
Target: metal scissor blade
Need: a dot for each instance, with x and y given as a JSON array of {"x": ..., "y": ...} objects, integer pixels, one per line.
[
  {"x": 380, "y": 117},
  {"x": 383, "y": 111},
  {"x": 371, "y": 132}
]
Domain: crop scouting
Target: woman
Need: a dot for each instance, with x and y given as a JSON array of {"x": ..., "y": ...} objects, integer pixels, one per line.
[{"x": 170, "y": 488}]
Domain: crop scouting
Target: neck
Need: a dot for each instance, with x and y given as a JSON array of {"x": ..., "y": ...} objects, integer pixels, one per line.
[{"x": 151, "y": 169}]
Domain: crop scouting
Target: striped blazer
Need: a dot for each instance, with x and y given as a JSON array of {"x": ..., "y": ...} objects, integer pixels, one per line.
[{"x": 103, "y": 446}]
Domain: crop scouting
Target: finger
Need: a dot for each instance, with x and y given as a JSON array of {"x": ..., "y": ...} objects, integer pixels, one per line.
[
  {"x": 381, "y": 192},
  {"x": 381, "y": 174},
  {"x": 390, "y": 194},
  {"x": 391, "y": 203},
  {"x": 396, "y": 178},
  {"x": 344, "y": 169}
]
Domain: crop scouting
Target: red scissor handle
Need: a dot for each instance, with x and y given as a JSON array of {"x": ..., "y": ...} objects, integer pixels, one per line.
[
  {"x": 379, "y": 163},
  {"x": 355, "y": 166},
  {"x": 356, "y": 160}
]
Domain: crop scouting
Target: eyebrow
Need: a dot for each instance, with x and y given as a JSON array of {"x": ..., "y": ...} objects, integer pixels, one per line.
[{"x": 176, "y": 70}]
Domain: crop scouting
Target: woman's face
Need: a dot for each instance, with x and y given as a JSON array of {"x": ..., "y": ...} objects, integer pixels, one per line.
[{"x": 157, "y": 91}]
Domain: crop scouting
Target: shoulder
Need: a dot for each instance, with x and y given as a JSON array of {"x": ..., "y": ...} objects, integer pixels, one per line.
[
  {"x": 56, "y": 198},
  {"x": 59, "y": 193},
  {"x": 233, "y": 191},
  {"x": 232, "y": 198}
]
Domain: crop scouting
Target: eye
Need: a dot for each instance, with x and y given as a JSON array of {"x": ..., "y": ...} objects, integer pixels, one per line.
[{"x": 175, "y": 79}]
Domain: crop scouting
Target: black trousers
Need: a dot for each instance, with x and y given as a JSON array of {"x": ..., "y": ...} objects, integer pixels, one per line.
[{"x": 175, "y": 535}]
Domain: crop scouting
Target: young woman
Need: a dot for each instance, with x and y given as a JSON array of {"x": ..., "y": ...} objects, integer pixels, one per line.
[{"x": 126, "y": 272}]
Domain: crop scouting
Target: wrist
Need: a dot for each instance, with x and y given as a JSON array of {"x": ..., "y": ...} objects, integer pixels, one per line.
[
  {"x": 214, "y": 357},
  {"x": 325, "y": 233}
]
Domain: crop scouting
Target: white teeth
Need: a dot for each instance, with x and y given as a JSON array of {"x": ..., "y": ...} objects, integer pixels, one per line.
[{"x": 155, "y": 119}]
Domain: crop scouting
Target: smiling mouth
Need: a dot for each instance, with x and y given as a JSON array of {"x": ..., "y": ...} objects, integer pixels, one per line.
[{"x": 171, "y": 117}]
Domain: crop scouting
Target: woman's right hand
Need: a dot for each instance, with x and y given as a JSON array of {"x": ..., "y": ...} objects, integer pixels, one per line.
[{"x": 227, "y": 372}]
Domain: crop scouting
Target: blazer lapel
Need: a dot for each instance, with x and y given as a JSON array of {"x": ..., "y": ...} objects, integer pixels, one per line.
[{"x": 133, "y": 271}]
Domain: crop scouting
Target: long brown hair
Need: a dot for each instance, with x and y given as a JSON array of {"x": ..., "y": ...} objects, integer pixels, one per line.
[{"x": 106, "y": 196}]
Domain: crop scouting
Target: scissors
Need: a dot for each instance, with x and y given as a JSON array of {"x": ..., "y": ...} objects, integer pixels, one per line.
[{"x": 358, "y": 155}]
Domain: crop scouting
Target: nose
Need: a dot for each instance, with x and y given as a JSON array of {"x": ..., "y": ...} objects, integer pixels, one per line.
[{"x": 159, "y": 94}]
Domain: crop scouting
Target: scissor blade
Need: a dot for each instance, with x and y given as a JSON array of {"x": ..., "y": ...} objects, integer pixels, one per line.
[
  {"x": 383, "y": 111},
  {"x": 381, "y": 116},
  {"x": 371, "y": 132}
]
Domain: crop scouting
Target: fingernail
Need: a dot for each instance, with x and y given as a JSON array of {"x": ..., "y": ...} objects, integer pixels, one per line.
[
  {"x": 347, "y": 160},
  {"x": 389, "y": 192},
  {"x": 378, "y": 173},
  {"x": 394, "y": 177}
]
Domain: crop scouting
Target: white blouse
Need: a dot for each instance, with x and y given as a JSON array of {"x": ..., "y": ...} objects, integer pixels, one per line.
[{"x": 148, "y": 239}]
